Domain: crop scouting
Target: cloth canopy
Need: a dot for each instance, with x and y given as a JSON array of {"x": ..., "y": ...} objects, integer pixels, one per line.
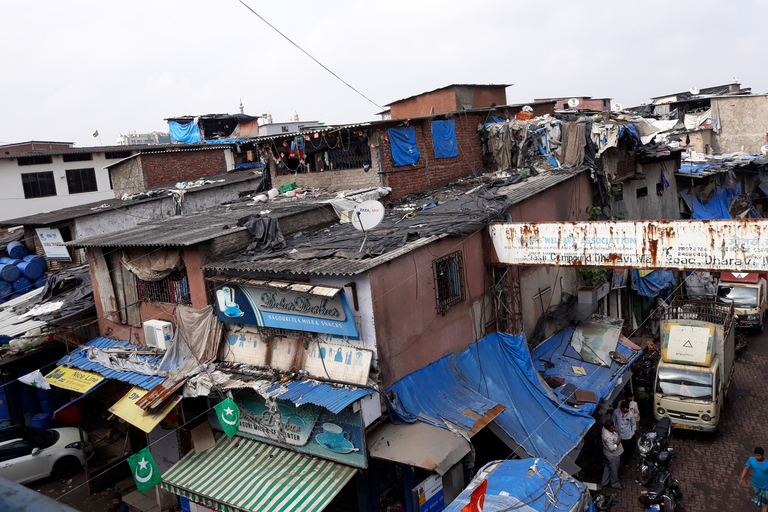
[{"x": 189, "y": 133}]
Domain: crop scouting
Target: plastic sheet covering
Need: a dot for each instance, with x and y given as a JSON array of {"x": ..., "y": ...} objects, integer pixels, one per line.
[
  {"x": 499, "y": 368},
  {"x": 573, "y": 144},
  {"x": 601, "y": 380},
  {"x": 595, "y": 338},
  {"x": 151, "y": 265},
  {"x": 693, "y": 121},
  {"x": 402, "y": 141},
  {"x": 266, "y": 231},
  {"x": 654, "y": 283},
  {"x": 444, "y": 139},
  {"x": 133, "y": 363},
  {"x": 700, "y": 285},
  {"x": 526, "y": 485},
  {"x": 195, "y": 345},
  {"x": 245, "y": 130},
  {"x": 716, "y": 208},
  {"x": 189, "y": 133}
]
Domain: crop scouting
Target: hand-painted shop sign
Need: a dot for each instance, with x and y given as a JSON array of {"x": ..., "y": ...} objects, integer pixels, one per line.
[
  {"x": 731, "y": 245},
  {"x": 306, "y": 428},
  {"x": 53, "y": 244},
  {"x": 73, "y": 379},
  {"x": 268, "y": 307}
]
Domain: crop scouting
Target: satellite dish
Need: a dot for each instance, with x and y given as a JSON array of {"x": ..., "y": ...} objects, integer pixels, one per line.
[
  {"x": 694, "y": 90},
  {"x": 367, "y": 215},
  {"x": 573, "y": 103},
  {"x": 617, "y": 106}
]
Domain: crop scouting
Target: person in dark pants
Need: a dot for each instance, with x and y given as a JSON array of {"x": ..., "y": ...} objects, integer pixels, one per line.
[
  {"x": 625, "y": 424},
  {"x": 118, "y": 505}
]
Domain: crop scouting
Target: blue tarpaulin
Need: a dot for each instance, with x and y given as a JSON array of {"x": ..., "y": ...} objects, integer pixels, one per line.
[
  {"x": 526, "y": 485},
  {"x": 444, "y": 138},
  {"x": 403, "y": 143},
  {"x": 498, "y": 369},
  {"x": 715, "y": 208},
  {"x": 599, "y": 379},
  {"x": 189, "y": 133},
  {"x": 652, "y": 284}
]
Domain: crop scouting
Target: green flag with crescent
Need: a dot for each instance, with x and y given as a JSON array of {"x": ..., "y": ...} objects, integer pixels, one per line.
[
  {"x": 144, "y": 470},
  {"x": 229, "y": 416}
]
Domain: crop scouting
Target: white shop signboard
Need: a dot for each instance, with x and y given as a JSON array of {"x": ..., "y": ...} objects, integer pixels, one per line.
[
  {"x": 53, "y": 244},
  {"x": 732, "y": 245}
]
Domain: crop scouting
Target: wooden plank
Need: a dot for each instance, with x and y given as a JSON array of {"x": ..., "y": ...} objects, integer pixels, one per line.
[
  {"x": 106, "y": 289},
  {"x": 113, "y": 260},
  {"x": 131, "y": 292}
]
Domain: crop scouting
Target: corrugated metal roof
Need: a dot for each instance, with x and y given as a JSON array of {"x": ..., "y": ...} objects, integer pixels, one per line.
[
  {"x": 525, "y": 189},
  {"x": 77, "y": 359},
  {"x": 333, "y": 398},
  {"x": 320, "y": 266},
  {"x": 9, "y": 320},
  {"x": 250, "y": 475},
  {"x": 97, "y": 207},
  {"x": 105, "y": 149},
  {"x": 193, "y": 228}
]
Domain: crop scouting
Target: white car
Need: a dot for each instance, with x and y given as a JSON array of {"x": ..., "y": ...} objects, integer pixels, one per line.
[{"x": 29, "y": 454}]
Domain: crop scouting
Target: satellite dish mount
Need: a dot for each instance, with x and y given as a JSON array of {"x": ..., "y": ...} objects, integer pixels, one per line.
[
  {"x": 573, "y": 103},
  {"x": 367, "y": 215},
  {"x": 694, "y": 91}
]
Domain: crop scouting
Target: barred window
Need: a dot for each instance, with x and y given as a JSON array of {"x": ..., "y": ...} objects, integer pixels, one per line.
[
  {"x": 174, "y": 289},
  {"x": 449, "y": 288},
  {"x": 81, "y": 180},
  {"x": 38, "y": 184}
]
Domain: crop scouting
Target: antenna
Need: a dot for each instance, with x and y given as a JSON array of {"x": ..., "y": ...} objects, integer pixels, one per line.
[
  {"x": 573, "y": 103},
  {"x": 367, "y": 215},
  {"x": 694, "y": 91}
]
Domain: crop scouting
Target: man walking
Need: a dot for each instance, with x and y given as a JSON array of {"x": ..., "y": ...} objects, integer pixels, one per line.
[
  {"x": 612, "y": 449},
  {"x": 625, "y": 424},
  {"x": 759, "y": 467}
]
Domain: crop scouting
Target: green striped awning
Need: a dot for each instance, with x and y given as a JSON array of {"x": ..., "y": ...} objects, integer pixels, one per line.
[{"x": 239, "y": 474}]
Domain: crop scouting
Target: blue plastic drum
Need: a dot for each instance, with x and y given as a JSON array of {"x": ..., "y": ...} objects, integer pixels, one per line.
[
  {"x": 31, "y": 269},
  {"x": 17, "y": 250},
  {"x": 22, "y": 285},
  {"x": 9, "y": 273}
]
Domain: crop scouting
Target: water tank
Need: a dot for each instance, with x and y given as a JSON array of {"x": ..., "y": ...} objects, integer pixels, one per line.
[{"x": 42, "y": 420}]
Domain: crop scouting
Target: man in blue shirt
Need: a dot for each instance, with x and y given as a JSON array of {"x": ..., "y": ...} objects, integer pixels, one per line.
[
  {"x": 625, "y": 424},
  {"x": 759, "y": 467}
]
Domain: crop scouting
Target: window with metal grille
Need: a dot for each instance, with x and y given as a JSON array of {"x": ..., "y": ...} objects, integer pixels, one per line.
[
  {"x": 81, "y": 180},
  {"x": 174, "y": 289},
  {"x": 354, "y": 155},
  {"x": 38, "y": 184},
  {"x": 449, "y": 289}
]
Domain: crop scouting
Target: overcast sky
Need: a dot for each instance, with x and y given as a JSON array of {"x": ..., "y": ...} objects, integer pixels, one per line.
[{"x": 76, "y": 66}]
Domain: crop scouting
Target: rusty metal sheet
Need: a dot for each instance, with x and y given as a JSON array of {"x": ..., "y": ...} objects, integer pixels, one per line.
[
  {"x": 732, "y": 245},
  {"x": 418, "y": 444}
]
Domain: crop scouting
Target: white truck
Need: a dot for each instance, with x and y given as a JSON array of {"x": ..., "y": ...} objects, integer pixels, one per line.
[
  {"x": 749, "y": 294},
  {"x": 696, "y": 365}
]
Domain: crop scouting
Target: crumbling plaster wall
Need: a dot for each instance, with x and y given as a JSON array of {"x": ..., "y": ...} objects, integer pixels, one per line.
[{"x": 743, "y": 123}]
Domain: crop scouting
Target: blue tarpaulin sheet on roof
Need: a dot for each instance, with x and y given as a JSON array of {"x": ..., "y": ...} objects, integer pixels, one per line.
[
  {"x": 526, "y": 485},
  {"x": 652, "y": 284},
  {"x": 403, "y": 144},
  {"x": 599, "y": 379},
  {"x": 189, "y": 133},
  {"x": 444, "y": 138},
  {"x": 715, "y": 208},
  {"x": 495, "y": 370},
  {"x": 333, "y": 398},
  {"x": 78, "y": 359}
]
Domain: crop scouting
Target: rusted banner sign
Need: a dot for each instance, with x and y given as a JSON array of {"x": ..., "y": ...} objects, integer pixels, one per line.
[{"x": 740, "y": 245}]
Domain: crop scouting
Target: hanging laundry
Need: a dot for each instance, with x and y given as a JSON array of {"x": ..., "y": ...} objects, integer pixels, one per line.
[{"x": 297, "y": 148}]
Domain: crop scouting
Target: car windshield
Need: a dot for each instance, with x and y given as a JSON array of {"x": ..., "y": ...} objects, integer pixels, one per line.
[
  {"x": 741, "y": 296},
  {"x": 685, "y": 383}
]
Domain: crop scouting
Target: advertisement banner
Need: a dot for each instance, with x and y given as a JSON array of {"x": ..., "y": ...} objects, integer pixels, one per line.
[
  {"x": 307, "y": 428},
  {"x": 127, "y": 409},
  {"x": 429, "y": 494},
  {"x": 53, "y": 244},
  {"x": 73, "y": 379},
  {"x": 269, "y": 307}
]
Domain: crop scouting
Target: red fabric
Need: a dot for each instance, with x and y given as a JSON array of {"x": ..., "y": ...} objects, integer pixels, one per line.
[{"x": 476, "y": 499}]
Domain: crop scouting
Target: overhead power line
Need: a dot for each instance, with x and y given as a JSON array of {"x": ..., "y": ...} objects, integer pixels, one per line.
[{"x": 310, "y": 56}]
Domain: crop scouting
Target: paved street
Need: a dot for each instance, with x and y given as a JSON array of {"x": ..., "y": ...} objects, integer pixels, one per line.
[{"x": 708, "y": 467}]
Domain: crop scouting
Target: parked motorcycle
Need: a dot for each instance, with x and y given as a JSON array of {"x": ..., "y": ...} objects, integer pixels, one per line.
[
  {"x": 664, "y": 493},
  {"x": 603, "y": 502},
  {"x": 738, "y": 333},
  {"x": 655, "y": 452}
]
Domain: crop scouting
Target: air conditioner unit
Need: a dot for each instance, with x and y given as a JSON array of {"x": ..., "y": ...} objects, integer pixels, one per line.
[{"x": 158, "y": 333}]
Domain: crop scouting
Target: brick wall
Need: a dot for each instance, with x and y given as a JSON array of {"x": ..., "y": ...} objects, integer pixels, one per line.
[
  {"x": 170, "y": 168},
  {"x": 430, "y": 172},
  {"x": 349, "y": 179}
]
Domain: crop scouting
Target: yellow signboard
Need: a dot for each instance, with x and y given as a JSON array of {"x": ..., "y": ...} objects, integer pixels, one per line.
[
  {"x": 73, "y": 379},
  {"x": 127, "y": 409}
]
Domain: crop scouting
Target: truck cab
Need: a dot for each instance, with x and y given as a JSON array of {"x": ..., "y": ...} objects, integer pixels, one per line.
[
  {"x": 696, "y": 365},
  {"x": 749, "y": 294}
]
